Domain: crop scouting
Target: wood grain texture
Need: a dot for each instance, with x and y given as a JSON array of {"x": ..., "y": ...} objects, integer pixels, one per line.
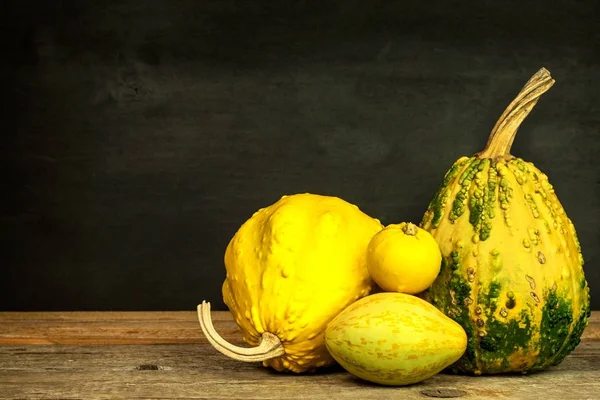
[
  {"x": 197, "y": 371},
  {"x": 163, "y": 355},
  {"x": 97, "y": 328}
]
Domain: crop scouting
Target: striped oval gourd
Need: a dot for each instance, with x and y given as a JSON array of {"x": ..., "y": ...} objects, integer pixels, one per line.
[
  {"x": 512, "y": 271},
  {"x": 395, "y": 339}
]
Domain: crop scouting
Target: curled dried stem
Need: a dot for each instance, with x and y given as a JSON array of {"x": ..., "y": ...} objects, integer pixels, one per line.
[{"x": 269, "y": 347}]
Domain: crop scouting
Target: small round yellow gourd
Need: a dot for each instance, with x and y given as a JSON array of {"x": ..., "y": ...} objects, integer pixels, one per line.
[
  {"x": 403, "y": 258},
  {"x": 291, "y": 268}
]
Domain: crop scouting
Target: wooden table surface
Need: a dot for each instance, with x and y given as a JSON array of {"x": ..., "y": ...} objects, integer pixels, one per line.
[{"x": 164, "y": 355}]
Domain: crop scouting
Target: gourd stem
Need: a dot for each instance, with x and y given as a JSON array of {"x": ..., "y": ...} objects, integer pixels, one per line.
[
  {"x": 409, "y": 229},
  {"x": 269, "y": 347},
  {"x": 504, "y": 132}
]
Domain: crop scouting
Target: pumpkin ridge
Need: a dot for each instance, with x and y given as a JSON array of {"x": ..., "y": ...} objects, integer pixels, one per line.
[
  {"x": 478, "y": 194},
  {"x": 435, "y": 211},
  {"x": 460, "y": 198}
]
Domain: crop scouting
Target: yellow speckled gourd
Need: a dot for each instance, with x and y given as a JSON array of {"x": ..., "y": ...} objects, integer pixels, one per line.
[
  {"x": 394, "y": 339},
  {"x": 291, "y": 268},
  {"x": 512, "y": 271}
]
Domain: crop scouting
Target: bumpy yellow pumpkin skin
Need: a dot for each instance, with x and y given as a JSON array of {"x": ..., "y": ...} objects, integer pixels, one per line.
[
  {"x": 291, "y": 268},
  {"x": 394, "y": 339},
  {"x": 512, "y": 272}
]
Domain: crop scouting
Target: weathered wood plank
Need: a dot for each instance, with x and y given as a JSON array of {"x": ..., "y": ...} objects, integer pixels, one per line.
[
  {"x": 93, "y": 328},
  {"x": 34, "y": 328},
  {"x": 196, "y": 371},
  {"x": 188, "y": 367}
]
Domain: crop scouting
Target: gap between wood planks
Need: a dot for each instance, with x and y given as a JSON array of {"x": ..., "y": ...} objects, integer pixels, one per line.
[{"x": 162, "y": 327}]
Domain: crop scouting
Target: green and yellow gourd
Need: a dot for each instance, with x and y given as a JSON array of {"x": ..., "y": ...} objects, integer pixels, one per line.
[{"x": 512, "y": 271}]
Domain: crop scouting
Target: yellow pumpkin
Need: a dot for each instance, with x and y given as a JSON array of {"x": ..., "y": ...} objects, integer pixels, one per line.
[
  {"x": 291, "y": 268},
  {"x": 403, "y": 258}
]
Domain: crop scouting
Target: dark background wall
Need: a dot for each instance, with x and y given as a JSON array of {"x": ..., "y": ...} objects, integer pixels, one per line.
[{"x": 138, "y": 135}]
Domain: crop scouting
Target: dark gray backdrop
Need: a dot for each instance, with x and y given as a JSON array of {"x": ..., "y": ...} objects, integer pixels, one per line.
[{"x": 138, "y": 135}]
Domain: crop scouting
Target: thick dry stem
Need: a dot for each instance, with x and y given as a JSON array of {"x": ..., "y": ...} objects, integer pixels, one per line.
[
  {"x": 505, "y": 130},
  {"x": 269, "y": 347}
]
